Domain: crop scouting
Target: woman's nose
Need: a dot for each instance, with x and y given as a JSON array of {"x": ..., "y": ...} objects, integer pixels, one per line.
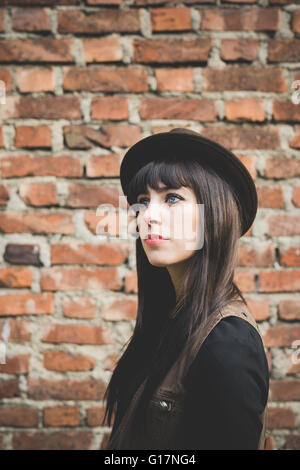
[{"x": 152, "y": 213}]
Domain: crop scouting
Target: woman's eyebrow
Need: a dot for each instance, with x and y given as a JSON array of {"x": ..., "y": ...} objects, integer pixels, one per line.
[{"x": 162, "y": 190}]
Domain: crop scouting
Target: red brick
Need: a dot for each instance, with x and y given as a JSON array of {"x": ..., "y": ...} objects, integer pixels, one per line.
[
  {"x": 280, "y": 418},
  {"x": 52, "y": 441},
  {"x": 5, "y": 76},
  {"x": 19, "y": 330},
  {"x": 236, "y": 78},
  {"x": 171, "y": 19},
  {"x": 81, "y": 307},
  {"x": 88, "y": 253},
  {"x": 19, "y": 416},
  {"x": 18, "y": 364},
  {"x": 108, "y": 135},
  {"x": 26, "y": 304},
  {"x": 289, "y": 309},
  {"x": 172, "y": 50},
  {"x": 259, "y": 308},
  {"x": 110, "y": 361},
  {"x": 181, "y": 79},
  {"x": 276, "y": 167},
  {"x": 77, "y": 334},
  {"x": 292, "y": 440},
  {"x": 131, "y": 282},
  {"x": 244, "y": 137},
  {"x": 61, "y": 416},
  {"x": 250, "y": 19},
  {"x": 35, "y": 79},
  {"x": 38, "y": 194},
  {"x": 65, "y": 389},
  {"x": 3, "y": 14},
  {"x": 284, "y": 50},
  {"x": 61, "y": 361},
  {"x": 283, "y": 225},
  {"x": 107, "y": 49},
  {"x": 284, "y": 390},
  {"x": 270, "y": 196},
  {"x": 97, "y": 223},
  {"x": 295, "y": 142},
  {"x": 109, "y": 79},
  {"x": 174, "y": 2},
  {"x": 281, "y": 336},
  {"x": 32, "y": 165},
  {"x": 249, "y": 109},
  {"x": 103, "y": 165},
  {"x": 105, "y": 21},
  {"x": 83, "y": 195},
  {"x": 34, "y": 222},
  {"x": 30, "y": 50},
  {"x": 295, "y": 26},
  {"x": 109, "y": 107},
  {"x": 1, "y": 138},
  {"x": 9, "y": 388},
  {"x": 33, "y": 136},
  {"x": 120, "y": 309},
  {"x": 296, "y": 196},
  {"x": 285, "y": 110},
  {"x": 244, "y": 280},
  {"x": 257, "y": 255},
  {"x": 39, "y": 2},
  {"x": 290, "y": 256},
  {"x": 4, "y": 195},
  {"x": 279, "y": 281},
  {"x": 80, "y": 278},
  {"x": 104, "y": 2},
  {"x": 176, "y": 108},
  {"x": 95, "y": 415},
  {"x": 15, "y": 276},
  {"x": 31, "y": 19},
  {"x": 235, "y": 49},
  {"x": 43, "y": 107}
]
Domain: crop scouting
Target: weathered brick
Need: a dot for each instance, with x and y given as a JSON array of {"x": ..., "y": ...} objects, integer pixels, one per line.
[
  {"x": 181, "y": 79},
  {"x": 18, "y": 330},
  {"x": 131, "y": 282},
  {"x": 104, "y": 21},
  {"x": 62, "y": 362},
  {"x": 276, "y": 167},
  {"x": 18, "y": 364},
  {"x": 279, "y": 281},
  {"x": 285, "y": 390},
  {"x": 109, "y": 107},
  {"x": 42, "y": 107},
  {"x": 29, "y": 222},
  {"x": 108, "y": 135},
  {"x": 249, "y": 109},
  {"x": 289, "y": 256},
  {"x": 107, "y": 49},
  {"x": 283, "y": 225},
  {"x": 172, "y": 50},
  {"x": 77, "y": 334},
  {"x": 5, "y": 76},
  {"x": 284, "y": 50},
  {"x": 80, "y": 278},
  {"x": 281, "y": 336},
  {"x": 9, "y": 388},
  {"x": 280, "y": 418},
  {"x": 35, "y": 79},
  {"x": 19, "y": 416},
  {"x": 236, "y": 78},
  {"x": 120, "y": 309},
  {"x": 3, "y": 14},
  {"x": 4, "y": 195},
  {"x": 171, "y": 19},
  {"x": 109, "y": 79},
  {"x": 296, "y": 196},
  {"x": 81, "y": 307},
  {"x": 84, "y": 195},
  {"x": 33, "y": 136},
  {"x": 103, "y": 165},
  {"x": 65, "y": 389},
  {"x": 270, "y": 196},
  {"x": 295, "y": 25},
  {"x": 52, "y": 441},
  {"x": 244, "y": 280},
  {"x": 285, "y": 110},
  {"x": 26, "y": 304},
  {"x": 61, "y": 416},
  {"x": 256, "y": 255},
  {"x": 88, "y": 253},
  {"x": 30, "y": 50},
  {"x": 176, "y": 108},
  {"x": 15, "y": 276},
  {"x": 250, "y": 19},
  {"x": 32, "y": 165},
  {"x": 244, "y": 137},
  {"x": 38, "y": 194},
  {"x": 95, "y": 415},
  {"x": 31, "y": 19},
  {"x": 236, "y": 49},
  {"x": 289, "y": 309},
  {"x": 97, "y": 223},
  {"x": 259, "y": 308}
]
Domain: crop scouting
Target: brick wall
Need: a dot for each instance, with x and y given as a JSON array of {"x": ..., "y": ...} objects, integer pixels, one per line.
[{"x": 84, "y": 81}]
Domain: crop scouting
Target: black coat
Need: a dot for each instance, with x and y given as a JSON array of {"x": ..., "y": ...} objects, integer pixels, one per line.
[{"x": 219, "y": 402}]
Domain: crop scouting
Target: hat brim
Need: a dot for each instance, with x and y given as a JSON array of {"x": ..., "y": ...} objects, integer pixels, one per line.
[{"x": 207, "y": 152}]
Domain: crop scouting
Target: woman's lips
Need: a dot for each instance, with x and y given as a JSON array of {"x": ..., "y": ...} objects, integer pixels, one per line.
[{"x": 156, "y": 241}]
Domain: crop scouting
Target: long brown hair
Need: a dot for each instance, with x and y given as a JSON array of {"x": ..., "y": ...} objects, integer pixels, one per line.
[{"x": 163, "y": 325}]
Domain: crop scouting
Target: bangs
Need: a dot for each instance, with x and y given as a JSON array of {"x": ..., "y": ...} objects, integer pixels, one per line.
[{"x": 173, "y": 174}]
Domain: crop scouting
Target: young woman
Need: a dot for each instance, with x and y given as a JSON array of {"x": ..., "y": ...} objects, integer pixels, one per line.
[{"x": 199, "y": 197}]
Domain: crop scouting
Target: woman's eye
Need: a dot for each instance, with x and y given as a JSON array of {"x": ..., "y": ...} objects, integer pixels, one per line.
[{"x": 140, "y": 201}]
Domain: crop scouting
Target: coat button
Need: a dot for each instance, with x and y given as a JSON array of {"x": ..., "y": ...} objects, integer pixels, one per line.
[{"x": 165, "y": 405}]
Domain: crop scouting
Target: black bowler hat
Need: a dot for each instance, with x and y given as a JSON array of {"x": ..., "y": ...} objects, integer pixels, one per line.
[{"x": 191, "y": 144}]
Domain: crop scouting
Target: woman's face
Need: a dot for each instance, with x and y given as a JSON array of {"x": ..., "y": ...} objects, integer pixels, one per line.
[{"x": 173, "y": 214}]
